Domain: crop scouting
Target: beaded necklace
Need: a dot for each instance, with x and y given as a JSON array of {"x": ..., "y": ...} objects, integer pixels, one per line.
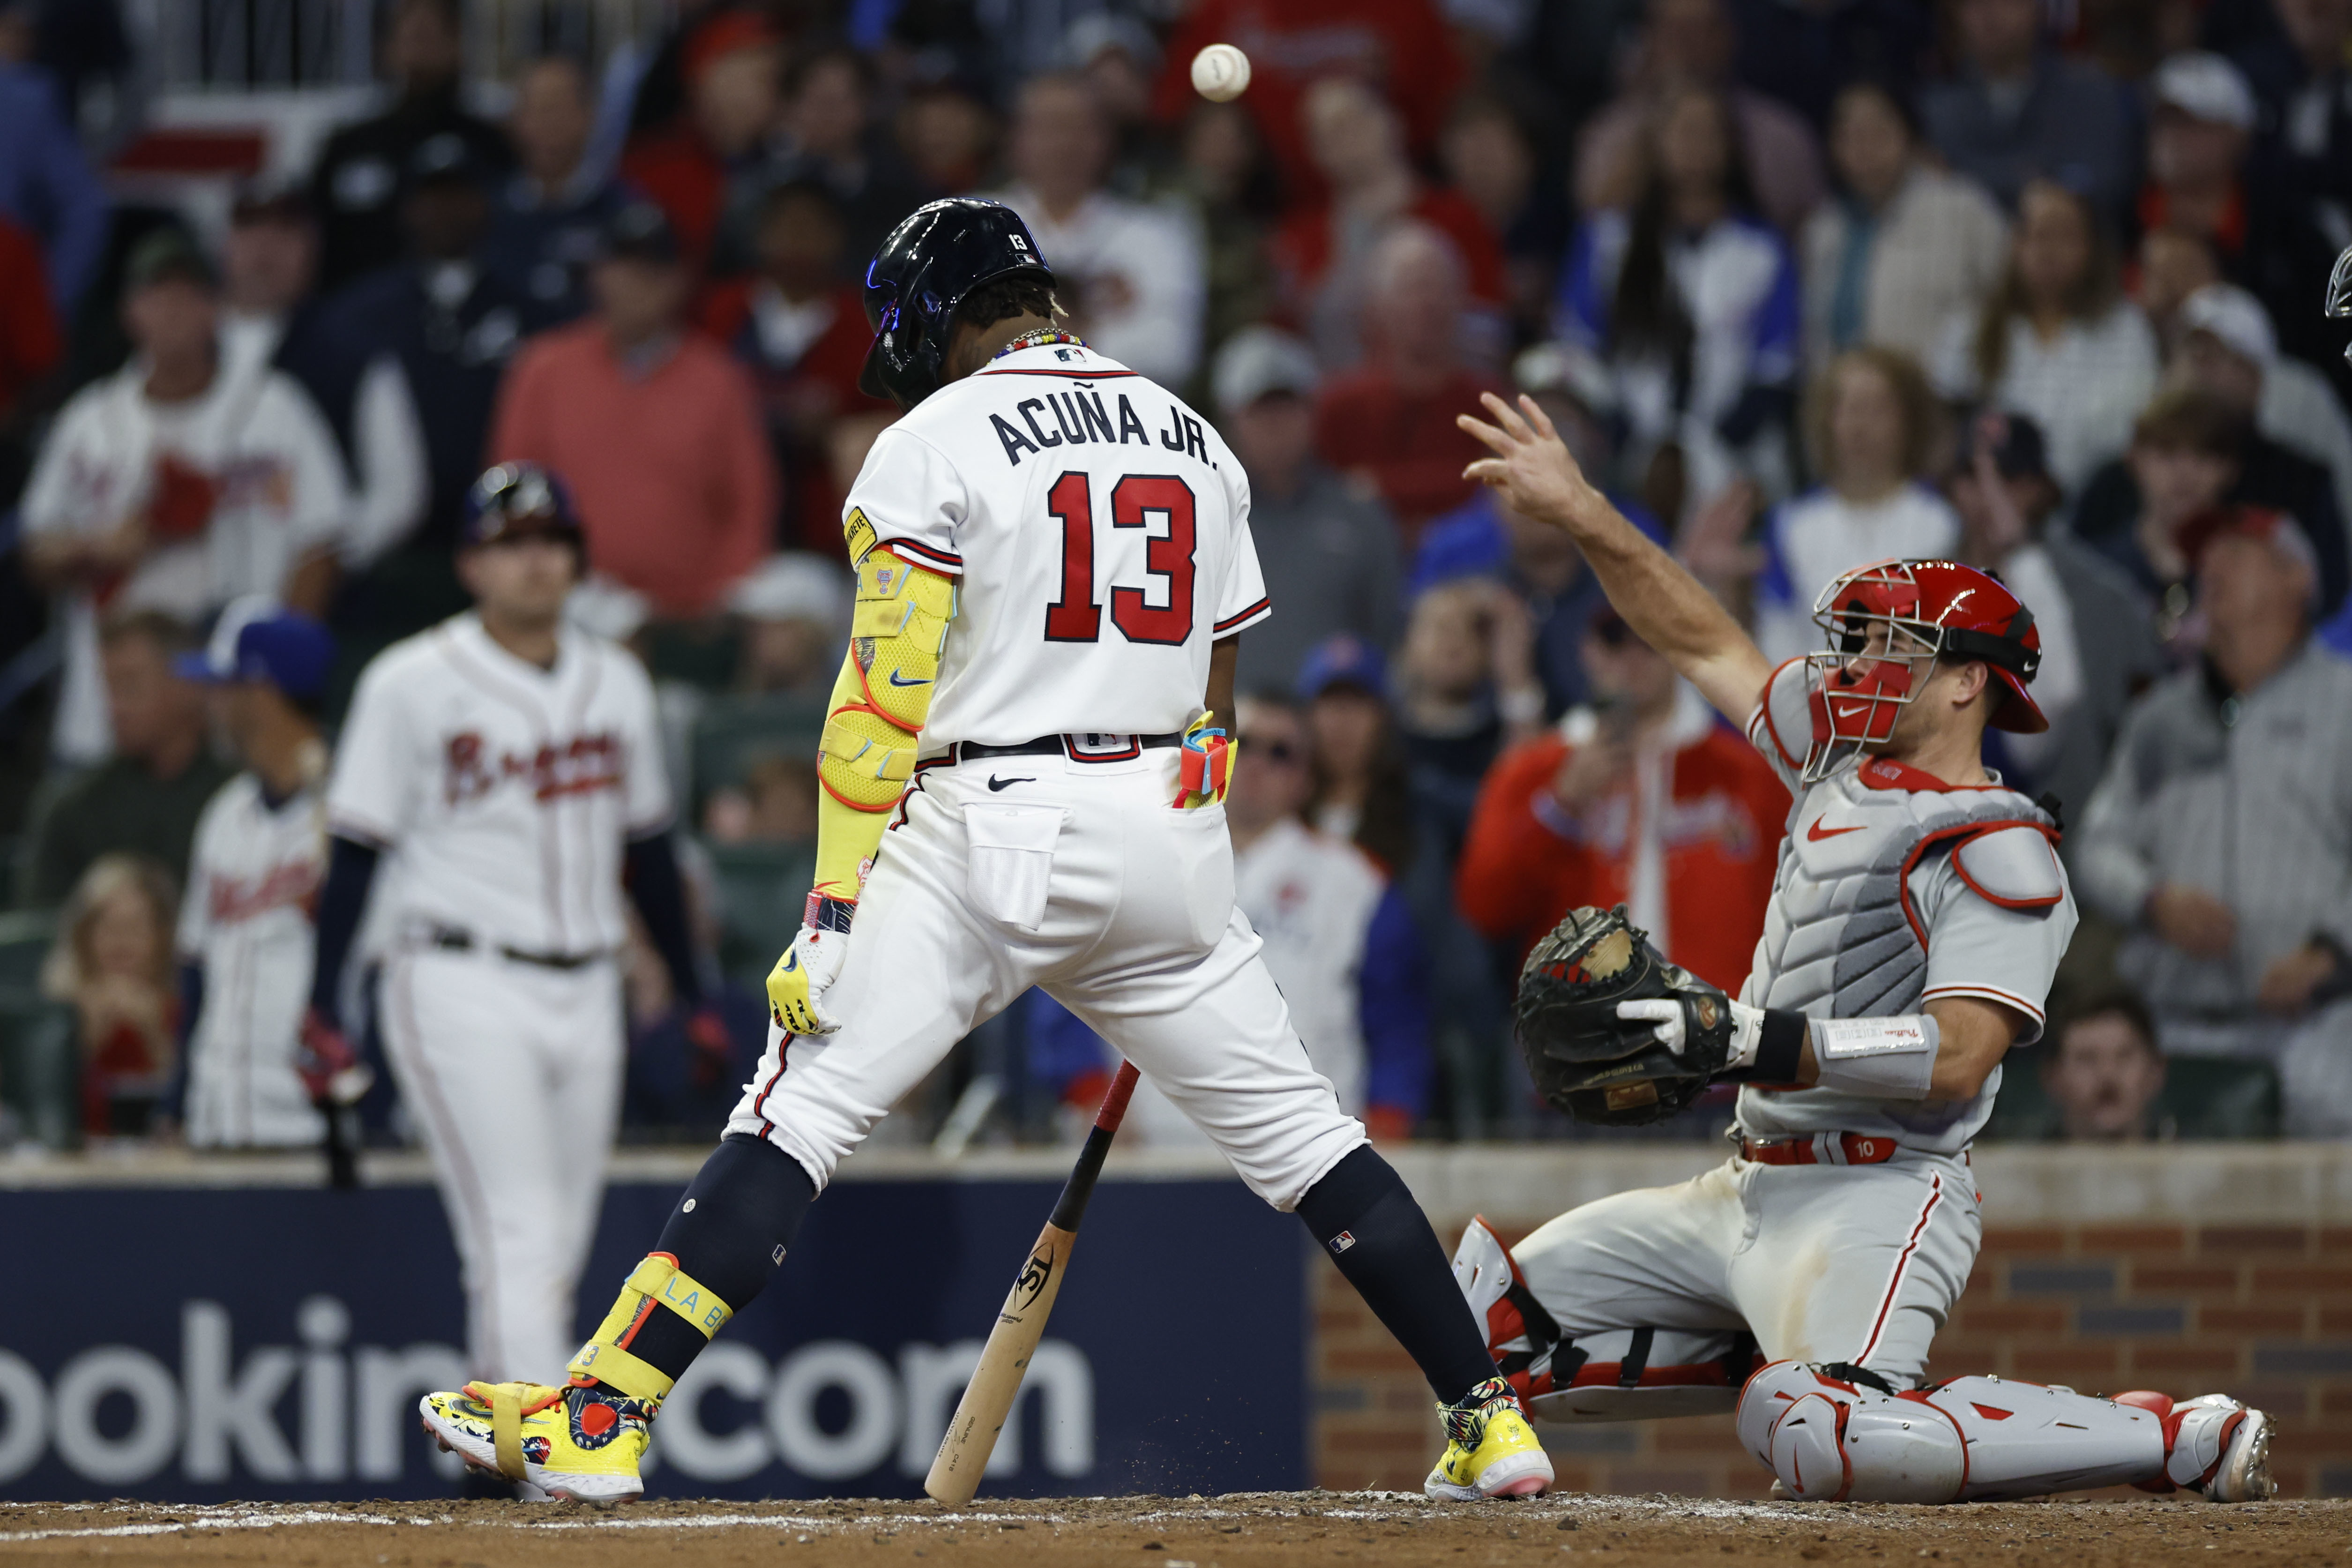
[{"x": 1042, "y": 337}]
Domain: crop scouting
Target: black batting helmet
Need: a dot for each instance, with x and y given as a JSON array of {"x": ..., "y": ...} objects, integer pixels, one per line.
[
  {"x": 514, "y": 498},
  {"x": 924, "y": 271}
]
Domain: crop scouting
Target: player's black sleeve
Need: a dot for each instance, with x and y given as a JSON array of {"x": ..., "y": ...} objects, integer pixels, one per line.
[
  {"x": 350, "y": 872},
  {"x": 650, "y": 871}
]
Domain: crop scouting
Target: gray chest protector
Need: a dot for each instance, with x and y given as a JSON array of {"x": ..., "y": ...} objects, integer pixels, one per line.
[{"x": 1843, "y": 938}]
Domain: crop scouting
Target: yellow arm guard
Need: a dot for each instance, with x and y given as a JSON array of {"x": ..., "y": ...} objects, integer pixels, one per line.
[{"x": 878, "y": 704}]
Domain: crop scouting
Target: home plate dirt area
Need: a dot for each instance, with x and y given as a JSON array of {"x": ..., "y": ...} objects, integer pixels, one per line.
[{"x": 1254, "y": 1529}]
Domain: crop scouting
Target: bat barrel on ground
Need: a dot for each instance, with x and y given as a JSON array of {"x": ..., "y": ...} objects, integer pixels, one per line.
[{"x": 1021, "y": 1323}]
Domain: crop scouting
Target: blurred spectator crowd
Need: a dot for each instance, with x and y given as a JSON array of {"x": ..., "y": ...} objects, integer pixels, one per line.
[{"x": 2032, "y": 285}]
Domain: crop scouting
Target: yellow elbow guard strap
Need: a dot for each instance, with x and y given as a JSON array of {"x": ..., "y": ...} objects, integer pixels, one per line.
[
  {"x": 865, "y": 758},
  {"x": 899, "y": 630},
  {"x": 655, "y": 1282}
]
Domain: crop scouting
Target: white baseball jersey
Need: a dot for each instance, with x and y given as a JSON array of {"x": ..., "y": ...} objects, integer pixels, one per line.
[
  {"x": 277, "y": 488},
  {"x": 509, "y": 792},
  {"x": 1099, "y": 531},
  {"x": 1082, "y": 509},
  {"x": 253, "y": 875},
  {"x": 1894, "y": 889}
]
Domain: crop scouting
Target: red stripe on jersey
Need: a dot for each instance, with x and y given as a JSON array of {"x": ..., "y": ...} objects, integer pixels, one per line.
[
  {"x": 922, "y": 553},
  {"x": 1237, "y": 618}
]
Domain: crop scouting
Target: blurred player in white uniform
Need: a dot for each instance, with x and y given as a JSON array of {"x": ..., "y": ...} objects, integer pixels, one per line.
[
  {"x": 505, "y": 769},
  {"x": 1918, "y": 914},
  {"x": 260, "y": 852},
  {"x": 1023, "y": 786}
]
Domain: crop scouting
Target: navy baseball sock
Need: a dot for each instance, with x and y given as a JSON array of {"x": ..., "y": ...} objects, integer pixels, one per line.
[
  {"x": 1373, "y": 1228},
  {"x": 728, "y": 1233}
]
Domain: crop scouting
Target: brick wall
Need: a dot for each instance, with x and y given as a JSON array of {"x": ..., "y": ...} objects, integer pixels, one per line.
[{"x": 2176, "y": 1296}]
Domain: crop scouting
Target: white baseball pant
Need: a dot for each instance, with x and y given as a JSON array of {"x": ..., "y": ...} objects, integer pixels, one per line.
[
  {"x": 1081, "y": 877},
  {"x": 513, "y": 1073},
  {"x": 1858, "y": 1264}
]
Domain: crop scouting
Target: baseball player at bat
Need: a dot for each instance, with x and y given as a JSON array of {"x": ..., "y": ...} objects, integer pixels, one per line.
[
  {"x": 1022, "y": 778},
  {"x": 498, "y": 781},
  {"x": 1916, "y": 918}
]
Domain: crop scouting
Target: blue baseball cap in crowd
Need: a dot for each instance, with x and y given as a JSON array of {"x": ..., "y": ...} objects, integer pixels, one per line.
[
  {"x": 256, "y": 638},
  {"x": 1341, "y": 660}
]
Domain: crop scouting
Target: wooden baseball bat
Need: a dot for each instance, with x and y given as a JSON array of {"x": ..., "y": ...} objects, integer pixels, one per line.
[{"x": 1021, "y": 1323}]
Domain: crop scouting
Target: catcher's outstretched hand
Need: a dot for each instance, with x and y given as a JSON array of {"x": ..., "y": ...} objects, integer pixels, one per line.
[{"x": 1531, "y": 468}]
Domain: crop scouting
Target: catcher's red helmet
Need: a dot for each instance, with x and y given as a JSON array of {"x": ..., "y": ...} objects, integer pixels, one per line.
[{"x": 1922, "y": 610}]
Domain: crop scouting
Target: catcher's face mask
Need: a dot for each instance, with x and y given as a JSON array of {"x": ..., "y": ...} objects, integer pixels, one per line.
[
  {"x": 1880, "y": 656},
  {"x": 2339, "y": 292},
  {"x": 1889, "y": 623}
]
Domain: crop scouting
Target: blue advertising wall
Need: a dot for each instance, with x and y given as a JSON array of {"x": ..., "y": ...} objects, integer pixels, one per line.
[{"x": 206, "y": 1344}]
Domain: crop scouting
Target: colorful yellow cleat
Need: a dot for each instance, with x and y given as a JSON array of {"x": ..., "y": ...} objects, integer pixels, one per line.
[
  {"x": 576, "y": 1445},
  {"x": 1490, "y": 1449}
]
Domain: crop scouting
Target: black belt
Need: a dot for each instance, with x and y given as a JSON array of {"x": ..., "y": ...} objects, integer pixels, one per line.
[
  {"x": 1060, "y": 746},
  {"x": 450, "y": 939}
]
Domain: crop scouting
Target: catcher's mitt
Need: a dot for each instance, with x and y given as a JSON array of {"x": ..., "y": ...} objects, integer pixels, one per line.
[{"x": 1586, "y": 1058}]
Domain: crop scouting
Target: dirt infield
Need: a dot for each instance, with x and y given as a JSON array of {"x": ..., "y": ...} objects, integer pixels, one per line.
[{"x": 1257, "y": 1530}]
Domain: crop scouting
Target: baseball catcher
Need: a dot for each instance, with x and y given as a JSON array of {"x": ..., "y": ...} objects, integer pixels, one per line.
[{"x": 1918, "y": 914}]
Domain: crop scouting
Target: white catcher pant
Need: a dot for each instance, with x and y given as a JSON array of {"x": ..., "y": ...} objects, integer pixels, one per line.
[
  {"x": 1080, "y": 878},
  {"x": 513, "y": 1073},
  {"x": 1858, "y": 1264}
]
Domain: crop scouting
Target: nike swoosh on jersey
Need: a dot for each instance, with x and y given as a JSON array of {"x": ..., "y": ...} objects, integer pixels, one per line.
[
  {"x": 895, "y": 681},
  {"x": 1815, "y": 834},
  {"x": 997, "y": 783}
]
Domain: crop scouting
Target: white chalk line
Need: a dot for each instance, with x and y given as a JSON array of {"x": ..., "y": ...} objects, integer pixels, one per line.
[{"x": 1405, "y": 1506}]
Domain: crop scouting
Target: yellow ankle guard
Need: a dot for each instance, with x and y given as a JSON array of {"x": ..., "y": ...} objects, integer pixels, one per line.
[{"x": 655, "y": 1281}]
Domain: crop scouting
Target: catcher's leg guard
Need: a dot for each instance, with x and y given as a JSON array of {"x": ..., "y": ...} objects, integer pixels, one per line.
[
  {"x": 1829, "y": 1436},
  {"x": 2213, "y": 1445},
  {"x": 654, "y": 1285},
  {"x": 1620, "y": 1375}
]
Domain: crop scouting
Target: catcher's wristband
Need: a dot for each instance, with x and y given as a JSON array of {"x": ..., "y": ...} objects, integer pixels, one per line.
[
  {"x": 823, "y": 913},
  {"x": 1776, "y": 1052}
]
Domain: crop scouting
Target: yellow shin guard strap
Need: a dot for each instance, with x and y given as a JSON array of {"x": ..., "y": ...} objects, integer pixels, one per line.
[
  {"x": 655, "y": 1279},
  {"x": 507, "y": 1408},
  {"x": 661, "y": 1278},
  {"x": 619, "y": 1370}
]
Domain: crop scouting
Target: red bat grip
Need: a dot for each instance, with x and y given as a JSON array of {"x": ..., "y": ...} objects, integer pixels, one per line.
[{"x": 1114, "y": 1099}]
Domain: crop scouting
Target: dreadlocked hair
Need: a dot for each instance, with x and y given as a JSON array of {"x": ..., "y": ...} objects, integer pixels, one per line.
[{"x": 1008, "y": 298}]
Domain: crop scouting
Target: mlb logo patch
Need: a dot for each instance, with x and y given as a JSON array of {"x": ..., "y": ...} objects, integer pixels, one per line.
[{"x": 1344, "y": 1240}]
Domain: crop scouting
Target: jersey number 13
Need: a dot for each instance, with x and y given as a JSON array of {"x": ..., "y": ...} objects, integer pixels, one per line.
[{"x": 1077, "y": 617}]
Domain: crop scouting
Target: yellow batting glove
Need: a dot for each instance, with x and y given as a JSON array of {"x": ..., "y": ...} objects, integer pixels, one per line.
[
  {"x": 796, "y": 986},
  {"x": 1206, "y": 768}
]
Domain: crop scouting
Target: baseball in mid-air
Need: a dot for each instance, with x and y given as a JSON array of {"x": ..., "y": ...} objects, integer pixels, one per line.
[{"x": 1220, "y": 72}]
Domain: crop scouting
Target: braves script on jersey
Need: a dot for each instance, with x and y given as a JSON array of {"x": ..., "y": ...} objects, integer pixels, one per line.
[
  {"x": 506, "y": 794},
  {"x": 246, "y": 919},
  {"x": 1084, "y": 510},
  {"x": 508, "y": 790}
]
